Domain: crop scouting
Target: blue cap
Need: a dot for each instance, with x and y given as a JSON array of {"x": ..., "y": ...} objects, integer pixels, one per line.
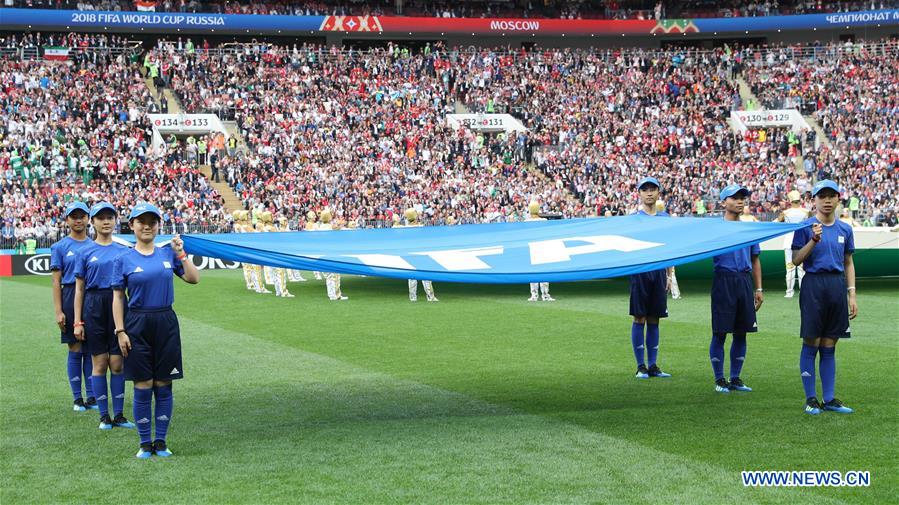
[
  {"x": 144, "y": 208},
  {"x": 97, "y": 207},
  {"x": 825, "y": 184},
  {"x": 72, "y": 207},
  {"x": 649, "y": 180},
  {"x": 732, "y": 190}
]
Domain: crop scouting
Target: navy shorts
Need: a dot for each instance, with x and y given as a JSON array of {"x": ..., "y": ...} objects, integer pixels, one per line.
[
  {"x": 67, "y": 336},
  {"x": 99, "y": 325},
  {"x": 733, "y": 303},
  {"x": 824, "y": 306},
  {"x": 155, "y": 345},
  {"x": 648, "y": 295}
]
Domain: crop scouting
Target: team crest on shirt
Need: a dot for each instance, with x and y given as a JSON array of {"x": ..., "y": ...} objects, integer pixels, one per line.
[
  {"x": 166, "y": 264},
  {"x": 841, "y": 239}
]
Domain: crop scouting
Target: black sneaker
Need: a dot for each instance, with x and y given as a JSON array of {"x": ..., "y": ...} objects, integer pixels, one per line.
[
  {"x": 160, "y": 449},
  {"x": 105, "y": 423},
  {"x": 78, "y": 405},
  {"x": 736, "y": 384},
  {"x": 655, "y": 371},
  {"x": 121, "y": 422},
  {"x": 145, "y": 451},
  {"x": 837, "y": 406},
  {"x": 91, "y": 403},
  {"x": 722, "y": 386},
  {"x": 812, "y": 406},
  {"x": 642, "y": 372}
]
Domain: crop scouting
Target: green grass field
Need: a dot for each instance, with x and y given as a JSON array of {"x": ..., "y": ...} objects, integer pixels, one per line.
[{"x": 482, "y": 398}]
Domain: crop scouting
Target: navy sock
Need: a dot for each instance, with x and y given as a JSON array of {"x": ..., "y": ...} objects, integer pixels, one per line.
[
  {"x": 716, "y": 354},
  {"x": 807, "y": 367},
  {"x": 117, "y": 390},
  {"x": 737, "y": 354},
  {"x": 87, "y": 365},
  {"x": 637, "y": 342},
  {"x": 142, "y": 414},
  {"x": 828, "y": 372},
  {"x": 165, "y": 403},
  {"x": 73, "y": 370},
  {"x": 98, "y": 385},
  {"x": 652, "y": 343}
]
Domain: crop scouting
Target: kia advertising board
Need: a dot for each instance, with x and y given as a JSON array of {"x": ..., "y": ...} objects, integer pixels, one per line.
[{"x": 39, "y": 264}]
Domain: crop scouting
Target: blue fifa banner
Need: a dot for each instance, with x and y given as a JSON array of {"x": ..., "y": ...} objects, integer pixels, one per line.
[
  {"x": 39, "y": 18},
  {"x": 501, "y": 253}
]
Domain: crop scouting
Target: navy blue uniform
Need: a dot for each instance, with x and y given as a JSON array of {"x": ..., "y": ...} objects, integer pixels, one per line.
[
  {"x": 648, "y": 290},
  {"x": 94, "y": 264},
  {"x": 150, "y": 322},
  {"x": 62, "y": 257},
  {"x": 823, "y": 302},
  {"x": 733, "y": 302}
]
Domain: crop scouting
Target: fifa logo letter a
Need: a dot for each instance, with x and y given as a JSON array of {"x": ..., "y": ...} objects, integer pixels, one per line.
[{"x": 557, "y": 250}]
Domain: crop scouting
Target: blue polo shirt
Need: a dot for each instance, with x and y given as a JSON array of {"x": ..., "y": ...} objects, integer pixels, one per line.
[
  {"x": 94, "y": 264},
  {"x": 736, "y": 261},
  {"x": 63, "y": 255},
  {"x": 828, "y": 255},
  {"x": 148, "y": 279}
]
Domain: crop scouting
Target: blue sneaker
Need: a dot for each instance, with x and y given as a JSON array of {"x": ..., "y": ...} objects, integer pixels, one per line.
[
  {"x": 812, "y": 407},
  {"x": 145, "y": 451},
  {"x": 736, "y": 384},
  {"x": 121, "y": 422},
  {"x": 160, "y": 449},
  {"x": 91, "y": 403},
  {"x": 837, "y": 406},
  {"x": 655, "y": 371},
  {"x": 721, "y": 386},
  {"x": 78, "y": 405},
  {"x": 105, "y": 423},
  {"x": 642, "y": 372}
]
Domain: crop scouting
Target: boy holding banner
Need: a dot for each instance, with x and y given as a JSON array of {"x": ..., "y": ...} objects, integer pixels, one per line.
[
  {"x": 733, "y": 303},
  {"x": 649, "y": 299}
]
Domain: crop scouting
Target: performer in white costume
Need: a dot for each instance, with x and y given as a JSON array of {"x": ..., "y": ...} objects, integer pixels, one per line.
[
  {"x": 278, "y": 276},
  {"x": 672, "y": 278},
  {"x": 795, "y": 214},
  {"x": 412, "y": 222},
  {"x": 240, "y": 226},
  {"x": 292, "y": 275},
  {"x": 259, "y": 274},
  {"x": 534, "y": 215},
  {"x": 310, "y": 226},
  {"x": 332, "y": 280}
]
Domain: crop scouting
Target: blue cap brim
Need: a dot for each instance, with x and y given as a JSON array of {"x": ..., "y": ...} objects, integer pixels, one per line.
[
  {"x": 826, "y": 185},
  {"x": 96, "y": 209},
  {"x": 649, "y": 180},
  {"x": 139, "y": 214},
  {"x": 79, "y": 206}
]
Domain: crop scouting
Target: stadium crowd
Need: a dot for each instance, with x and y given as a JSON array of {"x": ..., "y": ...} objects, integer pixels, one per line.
[
  {"x": 298, "y": 109},
  {"x": 853, "y": 89},
  {"x": 663, "y": 109},
  {"x": 79, "y": 131}
]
